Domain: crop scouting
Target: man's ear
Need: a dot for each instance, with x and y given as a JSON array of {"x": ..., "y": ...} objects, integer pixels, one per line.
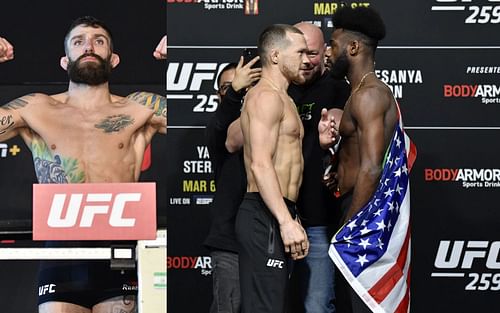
[
  {"x": 353, "y": 47},
  {"x": 64, "y": 62},
  {"x": 274, "y": 56},
  {"x": 115, "y": 60}
]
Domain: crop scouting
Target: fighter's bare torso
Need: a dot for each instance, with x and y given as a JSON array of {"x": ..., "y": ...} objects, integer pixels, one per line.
[
  {"x": 287, "y": 158},
  {"x": 366, "y": 128},
  {"x": 75, "y": 143}
]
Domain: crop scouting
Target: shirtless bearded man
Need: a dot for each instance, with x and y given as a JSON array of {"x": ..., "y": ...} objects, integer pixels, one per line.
[{"x": 85, "y": 135}]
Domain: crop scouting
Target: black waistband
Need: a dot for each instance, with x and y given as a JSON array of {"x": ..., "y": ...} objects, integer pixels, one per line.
[{"x": 292, "y": 208}]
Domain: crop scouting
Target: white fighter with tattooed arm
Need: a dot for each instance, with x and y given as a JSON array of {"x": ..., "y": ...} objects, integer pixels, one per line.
[{"x": 85, "y": 135}]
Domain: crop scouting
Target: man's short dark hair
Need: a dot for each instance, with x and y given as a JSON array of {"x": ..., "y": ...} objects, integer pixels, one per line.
[
  {"x": 275, "y": 34},
  {"x": 363, "y": 21},
  {"x": 92, "y": 22}
]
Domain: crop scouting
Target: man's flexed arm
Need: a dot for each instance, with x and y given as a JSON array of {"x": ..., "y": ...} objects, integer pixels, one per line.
[
  {"x": 156, "y": 103},
  {"x": 264, "y": 113},
  {"x": 10, "y": 117}
]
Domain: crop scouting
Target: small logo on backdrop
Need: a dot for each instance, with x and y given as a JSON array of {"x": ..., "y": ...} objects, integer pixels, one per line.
[
  {"x": 5, "y": 150},
  {"x": 251, "y": 7}
]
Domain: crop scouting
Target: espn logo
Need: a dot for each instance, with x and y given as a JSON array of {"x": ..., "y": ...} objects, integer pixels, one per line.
[{"x": 94, "y": 211}]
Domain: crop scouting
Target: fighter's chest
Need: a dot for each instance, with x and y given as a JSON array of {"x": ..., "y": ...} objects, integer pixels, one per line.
[
  {"x": 80, "y": 124},
  {"x": 291, "y": 123},
  {"x": 347, "y": 127}
]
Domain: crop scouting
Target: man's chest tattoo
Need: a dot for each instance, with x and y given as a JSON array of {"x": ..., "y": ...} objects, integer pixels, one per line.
[{"x": 115, "y": 123}]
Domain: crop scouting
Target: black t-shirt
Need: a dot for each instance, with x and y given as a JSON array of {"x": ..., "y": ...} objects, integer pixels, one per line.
[
  {"x": 316, "y": 206},
  {"x": 230, "y": 176}
]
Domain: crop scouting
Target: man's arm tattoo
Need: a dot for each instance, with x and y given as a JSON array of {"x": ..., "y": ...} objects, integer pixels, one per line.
[
  {"x": 17, "y": 103},
  {"x": 152, "y": 101},
  {"x": 115, "y": 123},
  {"x": 6, "y": 123}
]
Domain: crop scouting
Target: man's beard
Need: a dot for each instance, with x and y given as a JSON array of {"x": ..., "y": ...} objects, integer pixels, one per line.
[
  {"x": 89, "y": 73},
  {"x": 293, "y": 75},
  {"x": 340, "y": 67}
]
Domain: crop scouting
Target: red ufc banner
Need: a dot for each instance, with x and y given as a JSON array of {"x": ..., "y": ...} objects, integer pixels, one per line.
[{"x": 119, "y": 211}]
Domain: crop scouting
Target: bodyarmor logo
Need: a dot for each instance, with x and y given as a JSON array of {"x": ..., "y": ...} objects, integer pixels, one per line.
[
  {"x": 90, "y": 210},
  {"x": 275, "y": 263},
  {"x": 469, "y": 177},
  {"x": 204, "y": 263}
]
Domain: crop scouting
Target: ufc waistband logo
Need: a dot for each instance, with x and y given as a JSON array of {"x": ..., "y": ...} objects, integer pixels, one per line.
[
  {"x": 275, "y": 263},
  {"x": 95, "y": 203},
  {"x": 42, "y": 290}
]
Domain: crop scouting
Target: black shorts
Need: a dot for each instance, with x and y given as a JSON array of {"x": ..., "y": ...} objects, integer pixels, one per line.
[
  {"x": 84, "y": 283},
  {"x": 264, "y": 267}
]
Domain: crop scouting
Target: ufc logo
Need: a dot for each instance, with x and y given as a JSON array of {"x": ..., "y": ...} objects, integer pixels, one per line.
[
  {"x": 42, "y": 290},
  {"x": 463, "y": 254},
  {"x": 94, "y": 204},
  {"x": 191, "y": 75},
  {"x": 275, "y": 263}
]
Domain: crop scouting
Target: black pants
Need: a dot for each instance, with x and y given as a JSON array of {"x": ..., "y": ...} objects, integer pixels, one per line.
[{"x": 264, "y": 267}]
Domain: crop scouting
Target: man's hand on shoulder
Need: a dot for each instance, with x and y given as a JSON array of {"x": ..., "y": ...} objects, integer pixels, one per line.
[{"x": 6, "y": 50}]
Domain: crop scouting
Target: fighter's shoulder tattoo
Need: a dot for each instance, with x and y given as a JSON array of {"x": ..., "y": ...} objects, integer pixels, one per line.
[
  {"x": 18, "y": 103},
  {"x": 115, "y": 123},
  {"x": 152, "y": 101}
]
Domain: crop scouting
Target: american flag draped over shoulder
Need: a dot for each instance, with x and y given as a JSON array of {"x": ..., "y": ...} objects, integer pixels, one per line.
[{"x": 372, "y": 250}]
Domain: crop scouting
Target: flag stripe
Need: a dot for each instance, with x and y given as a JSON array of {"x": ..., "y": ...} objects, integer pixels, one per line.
[
  {"x": 384, "y": 286},
  {"x": 405, "y": 303},
  {"x": 393, "y": 300},
  {"x": 412, "y": 154}
]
